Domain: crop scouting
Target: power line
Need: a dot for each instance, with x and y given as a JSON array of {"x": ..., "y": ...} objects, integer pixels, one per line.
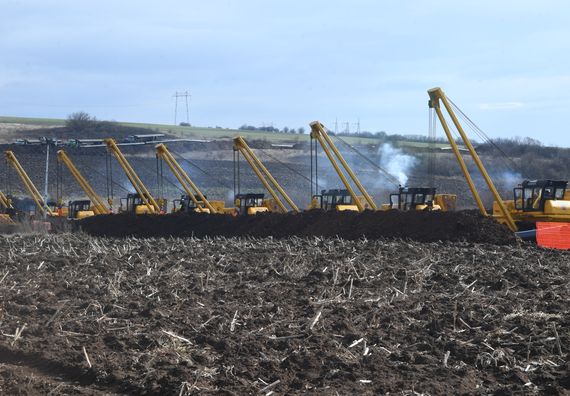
[
  {"x": 200, "y": 169},
  {"x": 509, "y": 163},
  {"x": 389, "y": 176}
]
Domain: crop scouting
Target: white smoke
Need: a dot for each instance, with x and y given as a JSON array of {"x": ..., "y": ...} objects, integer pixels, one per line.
[
  {"x": 396, "y": 162},
  {"x": 509, "y": 179},
  {"x": 230, "y": 198}
]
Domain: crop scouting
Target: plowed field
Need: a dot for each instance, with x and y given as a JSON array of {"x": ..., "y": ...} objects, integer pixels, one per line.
[{"x": 92, "y": 316}]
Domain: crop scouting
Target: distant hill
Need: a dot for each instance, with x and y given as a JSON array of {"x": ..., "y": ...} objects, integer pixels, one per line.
[{"x": 10, "y": 127}]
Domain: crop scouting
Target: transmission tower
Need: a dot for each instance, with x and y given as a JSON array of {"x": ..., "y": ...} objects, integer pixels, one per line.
[
  {"x": 184, "y": 95},
  {"x": 357, "y": 124}
]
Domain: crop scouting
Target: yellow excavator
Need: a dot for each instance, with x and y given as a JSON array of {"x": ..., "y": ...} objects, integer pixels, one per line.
[
  {"x": 251, "y": 203},
  {"x": 193, "y": 200},
  {"x": 141, "y": 202},
  {"x": 80, "y": 209},
  {"x": 534, "y": 201},
  {"x": 42, "y": 206},
  {"x": 336, "y": 199}
]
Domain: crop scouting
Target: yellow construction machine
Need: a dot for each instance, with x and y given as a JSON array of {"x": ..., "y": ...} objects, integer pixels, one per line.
[
  {"x": 407, "y": 198},
  {"x": 141, "y": 202},
  {"x": 538, "y": 200},
  {"x": 251, "y": 203},
  {"x": 6, "y": 209},
  {"x": 44, "y": 208},
  {"x": 534, "y": 201},
  {"x": 193, "y": 200},
  {"x": 336, "y": 199},
  {"x": 420, "y": 198},
  {"x": 81, "y": 209}
]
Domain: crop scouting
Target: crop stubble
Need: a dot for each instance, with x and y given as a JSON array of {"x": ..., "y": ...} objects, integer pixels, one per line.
[{"x": 87, "y": 315}]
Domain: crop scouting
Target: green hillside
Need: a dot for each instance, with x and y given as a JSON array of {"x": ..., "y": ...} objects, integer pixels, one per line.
[
  {"x": 188, "y": 132},
  {"x": 209, "y": 133}
]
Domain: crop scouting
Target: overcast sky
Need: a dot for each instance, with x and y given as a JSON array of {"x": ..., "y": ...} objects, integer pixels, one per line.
[{"x": 287, "y": 63}]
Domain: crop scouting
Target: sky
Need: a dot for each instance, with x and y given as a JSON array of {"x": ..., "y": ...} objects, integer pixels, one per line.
[{"x": 506, "y": 63}]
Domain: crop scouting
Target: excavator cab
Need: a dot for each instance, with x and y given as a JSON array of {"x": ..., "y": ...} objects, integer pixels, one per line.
[
  {"x": 414, "y": 198},
  {"x": 545, "y": 196},
  {"x": 134, "y": 204},
  {"x": 335, "y": 199},
  {"x": 187, "y": 205},
  {"x": 77, "y": 210},
  {"x": 250, "y": 204}
]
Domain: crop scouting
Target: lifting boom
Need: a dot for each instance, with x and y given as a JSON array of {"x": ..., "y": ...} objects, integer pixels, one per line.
[
  {"x": 136, "y": 182},
  {"x": 5, "y": 202},
  {"x": 318, "y": 132},
  {"x": 263, "y": 174},
  {"x": 191, "y": 189},
  {"x": 98, "y": 204},
  {"x": 35, "y": 194},
  {"x": 436, "y": 95}
]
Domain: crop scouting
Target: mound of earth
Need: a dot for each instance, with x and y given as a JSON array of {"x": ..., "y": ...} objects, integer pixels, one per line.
[{"x": 420, "y": 226}]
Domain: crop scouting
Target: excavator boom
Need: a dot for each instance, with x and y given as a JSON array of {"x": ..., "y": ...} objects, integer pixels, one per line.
[
  {"x": 98, "y": 204},
  {"x": 136, "y": 182},
  {"x": 190, "y": 188},
  {"x": 318, "y": 132},
  {"x": 264, "y": 175},
  {"x": 35, "y": 194}
]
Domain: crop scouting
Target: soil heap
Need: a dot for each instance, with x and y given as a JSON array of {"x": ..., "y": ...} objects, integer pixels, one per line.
[{"x": 420, "y": 226}]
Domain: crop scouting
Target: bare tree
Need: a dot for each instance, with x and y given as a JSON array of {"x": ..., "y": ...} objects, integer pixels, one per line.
[{"x": 80, "y": 120}]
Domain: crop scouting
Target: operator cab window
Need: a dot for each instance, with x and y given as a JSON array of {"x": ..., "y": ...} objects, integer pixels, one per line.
[
  {"x": 418, "y": 199},
  {"x": 548, "y": 193}
]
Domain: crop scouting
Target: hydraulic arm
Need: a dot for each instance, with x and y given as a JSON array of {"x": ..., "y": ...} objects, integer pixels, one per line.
[
  {"x": 136, "y": 182},
  {"x": 35, "y": 194},
  {"x": 191, "y": 189},
  {"x": 436, "y": 96},
  {"x": 319, "y": 133},
  {"x": 98, "y": 204},
  {"x": 264, "y": 175}
]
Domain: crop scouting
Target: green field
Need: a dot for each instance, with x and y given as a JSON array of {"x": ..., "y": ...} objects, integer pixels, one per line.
[
  {"x": 191, "y": 132},
  {"x": 48, "y": 122},
  {"x": 216, "y": 133}
]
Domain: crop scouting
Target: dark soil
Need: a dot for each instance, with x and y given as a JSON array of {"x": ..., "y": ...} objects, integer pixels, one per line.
[
  {"x": 419, "y": 226},
  {"x": 91, "y": 316}
]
